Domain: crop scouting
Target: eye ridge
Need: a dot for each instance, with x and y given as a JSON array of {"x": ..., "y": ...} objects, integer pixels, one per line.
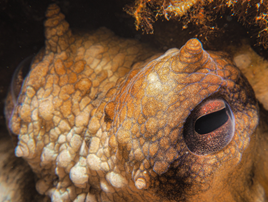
[
  {"x": 210, "y": 127},
  {"x": 210, "y": 122},
  {"x": 19, "y": 75}
]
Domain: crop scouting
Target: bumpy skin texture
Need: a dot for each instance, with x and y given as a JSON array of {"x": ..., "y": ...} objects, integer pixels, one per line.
[
  {"x": 100, "y": 118},
  {"x": 17, "y": 181}
]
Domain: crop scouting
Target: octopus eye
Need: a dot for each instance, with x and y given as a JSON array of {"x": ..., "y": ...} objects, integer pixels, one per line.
[
  {"x": 19, "y": 75},
  {"x": 210, "y": 127}
]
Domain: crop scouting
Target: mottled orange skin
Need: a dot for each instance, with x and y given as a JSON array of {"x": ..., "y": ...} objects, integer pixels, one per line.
[{"x": 101, "y": 118}]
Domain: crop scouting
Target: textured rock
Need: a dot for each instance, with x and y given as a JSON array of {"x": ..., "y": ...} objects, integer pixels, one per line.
[{"x": 101, "y": 118}]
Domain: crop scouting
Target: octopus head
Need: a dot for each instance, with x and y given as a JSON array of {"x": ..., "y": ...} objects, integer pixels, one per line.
[{"x": 180, "y": 125}]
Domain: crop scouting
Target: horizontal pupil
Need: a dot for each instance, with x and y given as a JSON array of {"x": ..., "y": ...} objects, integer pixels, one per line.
[{"x": 211, "y": 122}]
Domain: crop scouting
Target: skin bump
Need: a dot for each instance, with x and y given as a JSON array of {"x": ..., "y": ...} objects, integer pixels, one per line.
[{"x": 101, "y": 118}]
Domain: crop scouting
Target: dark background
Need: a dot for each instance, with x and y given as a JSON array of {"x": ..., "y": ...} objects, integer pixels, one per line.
[{"x": 21, "y": 31}]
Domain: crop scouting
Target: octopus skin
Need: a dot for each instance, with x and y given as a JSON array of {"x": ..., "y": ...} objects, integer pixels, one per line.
[{"x": 100, "y": 118}]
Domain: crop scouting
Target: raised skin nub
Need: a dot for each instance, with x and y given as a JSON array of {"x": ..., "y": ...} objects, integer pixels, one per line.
[
  {"x": 66, "y": 84},
  {"x": 57, "y": 32},
  {"x": 101, "y": 118}
]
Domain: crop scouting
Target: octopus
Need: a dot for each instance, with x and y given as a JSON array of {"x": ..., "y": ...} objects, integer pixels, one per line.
[{"x": 101, "y": 118}]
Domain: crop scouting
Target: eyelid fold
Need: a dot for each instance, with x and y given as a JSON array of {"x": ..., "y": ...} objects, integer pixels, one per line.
[
  {"x": 18, "y": 77},
  {"x": 210, "y": 127}
]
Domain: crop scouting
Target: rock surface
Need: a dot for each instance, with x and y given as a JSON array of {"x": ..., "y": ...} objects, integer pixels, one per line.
[{"x": 100, "y": 118}]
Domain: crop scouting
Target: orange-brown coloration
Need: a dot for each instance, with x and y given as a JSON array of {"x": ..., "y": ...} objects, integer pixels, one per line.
[
  {"x": 202, "y": 14},
  {"x": 92, "y": 129}
]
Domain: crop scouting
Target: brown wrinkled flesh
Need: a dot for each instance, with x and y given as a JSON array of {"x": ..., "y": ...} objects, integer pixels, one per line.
[
  {"x": 101, "y": 118},
  {"x": 16, "y": 178}
]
